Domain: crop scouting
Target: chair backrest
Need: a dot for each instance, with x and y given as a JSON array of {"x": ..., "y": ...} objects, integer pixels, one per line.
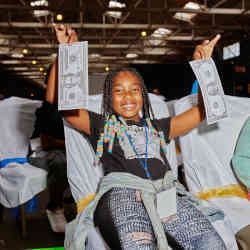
[
  {"x": 207, "y": 150},
  {"x": 16, "y": 126},
  {"x": 83, "y": 175},
  {"x": 18, "y": 182},
  {"x": 207, "y": 153}
]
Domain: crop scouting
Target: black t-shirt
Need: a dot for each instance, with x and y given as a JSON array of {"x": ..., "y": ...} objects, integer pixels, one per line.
[
  {"x": 48, "y": 121},
  {"x": 123, "y": 158}
]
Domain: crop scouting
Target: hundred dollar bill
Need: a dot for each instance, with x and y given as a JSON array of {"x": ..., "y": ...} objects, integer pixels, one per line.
[
  {"x": 211, "y": 88},
  {"x": 73, "y": 76}
]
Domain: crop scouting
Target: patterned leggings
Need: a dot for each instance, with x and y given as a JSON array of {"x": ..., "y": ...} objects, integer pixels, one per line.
[{"x": 124, "y": 224}]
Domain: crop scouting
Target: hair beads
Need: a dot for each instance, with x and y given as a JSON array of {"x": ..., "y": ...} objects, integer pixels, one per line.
[{"x": 114, "y": 127}]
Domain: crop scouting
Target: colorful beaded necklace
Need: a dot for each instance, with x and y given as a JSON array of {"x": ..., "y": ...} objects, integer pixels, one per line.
[{"x": 114, "y": 127}]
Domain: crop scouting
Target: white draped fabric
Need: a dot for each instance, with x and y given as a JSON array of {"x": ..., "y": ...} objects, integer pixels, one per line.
[
  {"x": 18, "y": 182},
  {"x": 207, "y": 152}
]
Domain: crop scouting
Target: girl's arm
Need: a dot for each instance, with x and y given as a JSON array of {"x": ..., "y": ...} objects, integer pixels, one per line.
[
  {"x": 190, "y": 119},
  {"x": 78, "y": 118}
]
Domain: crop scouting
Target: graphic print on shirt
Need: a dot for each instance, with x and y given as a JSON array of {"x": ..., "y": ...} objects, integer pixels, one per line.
[{"x": 138, "y": 137}]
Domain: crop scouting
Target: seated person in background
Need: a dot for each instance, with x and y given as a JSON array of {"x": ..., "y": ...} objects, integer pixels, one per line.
[
  {"x": 241, "y": 167},
  {"x": 49, "y": 127}
]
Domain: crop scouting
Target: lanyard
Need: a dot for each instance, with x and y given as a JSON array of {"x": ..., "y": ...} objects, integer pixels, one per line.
[{"x": 145, "y": 163}]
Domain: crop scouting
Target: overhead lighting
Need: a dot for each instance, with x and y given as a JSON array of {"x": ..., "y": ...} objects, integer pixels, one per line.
[
  {"x": 54, "y": 55},
  {"x": 131, "y": 55},
  {"x": 59, "y": 17},
  {"x": 187, "y": 17},
  {"x": 44, "y": 73},
  {"x": 107, "y": 68},
  {"x": 159, "y": 33},
  {"x": 39, "y": 13},
  {"x": 94, "y": 55},
  {"x": 25, "y": 51},
  {"x": 115, "y": 4},
  {"x": 17, "y": 55},
  {"x": 41, "y": 69},
  {"x": 143, "y": 33},
  {"x": 34, "y": 62}
]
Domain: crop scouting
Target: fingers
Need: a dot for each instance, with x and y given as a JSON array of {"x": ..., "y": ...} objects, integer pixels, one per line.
[
  {"x": 215, "y": 40},
  {"x": 65, "y": 34},
  {"x": 205, "y": 42},
  {"x": 73, "y": 37}
]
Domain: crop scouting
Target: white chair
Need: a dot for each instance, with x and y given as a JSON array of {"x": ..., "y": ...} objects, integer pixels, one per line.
[
  {"x": 207, "y": 152},
  {"x": 84, "y": 177},
  {"x": 18, "y": 182}
]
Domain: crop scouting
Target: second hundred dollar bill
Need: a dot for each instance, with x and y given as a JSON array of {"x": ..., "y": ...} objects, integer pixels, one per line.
[
  {"x": 73, "y": 76},
  {"x": 213, "y": 95}
]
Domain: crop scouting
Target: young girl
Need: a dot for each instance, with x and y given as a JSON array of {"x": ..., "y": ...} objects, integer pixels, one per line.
[{"x": 130, "y": 142}]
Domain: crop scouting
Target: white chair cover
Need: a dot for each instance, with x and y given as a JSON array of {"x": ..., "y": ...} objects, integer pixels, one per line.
[
  {"x": 83, "y": 175},
  {"x": 207, "y": 152},
  {"x": 18, "y": 182}
]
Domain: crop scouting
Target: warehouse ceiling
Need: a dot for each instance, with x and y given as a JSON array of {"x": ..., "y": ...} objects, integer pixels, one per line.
[{"x": 118, "y": 32}]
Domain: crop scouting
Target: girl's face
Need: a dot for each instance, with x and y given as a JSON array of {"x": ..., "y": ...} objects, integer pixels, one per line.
[{"x": 127, "y": 98}]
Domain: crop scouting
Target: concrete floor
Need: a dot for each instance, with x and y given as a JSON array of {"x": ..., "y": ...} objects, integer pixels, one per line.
[{"x": 39, "y": 232}]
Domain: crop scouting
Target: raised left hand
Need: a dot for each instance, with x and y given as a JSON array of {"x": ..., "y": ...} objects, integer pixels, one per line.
[{"x": 205, "y": 49}]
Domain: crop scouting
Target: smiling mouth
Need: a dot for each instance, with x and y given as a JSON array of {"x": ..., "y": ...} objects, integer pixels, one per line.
[{"x": 129, "y": 106}]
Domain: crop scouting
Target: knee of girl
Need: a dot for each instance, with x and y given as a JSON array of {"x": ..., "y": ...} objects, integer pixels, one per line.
[{"x": 140, "y": 238}]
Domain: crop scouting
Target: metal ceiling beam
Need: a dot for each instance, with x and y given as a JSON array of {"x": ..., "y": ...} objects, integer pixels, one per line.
[
  {"x": 212, "y": 11},
  {"x": 90, "y": 46},
  {"x": 126, "y": 26},
  {"x": 88, "y": 38}
]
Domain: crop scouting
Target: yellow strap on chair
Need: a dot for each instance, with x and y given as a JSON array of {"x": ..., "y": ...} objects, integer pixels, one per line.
[
  {"x": 177, "y": 149},
  {"x": 82, "y": 203},
  {"x": 224, "y": 191}
]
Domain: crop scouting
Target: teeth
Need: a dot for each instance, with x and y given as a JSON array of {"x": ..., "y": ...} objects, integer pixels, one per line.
[{"x": 128, "y": 105}]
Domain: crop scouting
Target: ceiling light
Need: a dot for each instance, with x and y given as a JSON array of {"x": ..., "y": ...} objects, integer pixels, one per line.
[
  {"x": 17, "y": 55},
  {"x": 143, "y": 33},
  {"x": 34, "y": 62},
  {"x": 116, "y": 4},
  {"x": 187, "y": 16},
  {"x": 40, "y": 13},
  {"x": 41, "y": 69},
  {"x": 159, "y": 33},
  {"x": 25, "y": 51},
  {"x": 115, "y": 14},
  {"x": 192, "y": 5},
  {"x": 95, "y": 55},
  {"x": 59, "y": 17},
  {"x": 39, "y": 3},
  {"x": 54, "y": 55},
  {"x": 131, "y": 55},
  {"x": 45, "y": 73},
  {"x": 107, "y": 68}
]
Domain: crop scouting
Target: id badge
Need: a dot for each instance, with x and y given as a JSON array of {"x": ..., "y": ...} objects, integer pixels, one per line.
[{"x": 166, "y": 203}]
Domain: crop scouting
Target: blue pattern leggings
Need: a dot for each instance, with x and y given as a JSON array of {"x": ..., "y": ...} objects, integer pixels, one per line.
[{"x": 124, "y": 224}]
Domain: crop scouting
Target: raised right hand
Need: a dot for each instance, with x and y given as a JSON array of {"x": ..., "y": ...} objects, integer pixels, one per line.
[{"x": 65, "y": 34}]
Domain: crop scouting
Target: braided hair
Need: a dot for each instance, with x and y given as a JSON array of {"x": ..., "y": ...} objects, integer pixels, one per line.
[{"x": 107, "y": 109}]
